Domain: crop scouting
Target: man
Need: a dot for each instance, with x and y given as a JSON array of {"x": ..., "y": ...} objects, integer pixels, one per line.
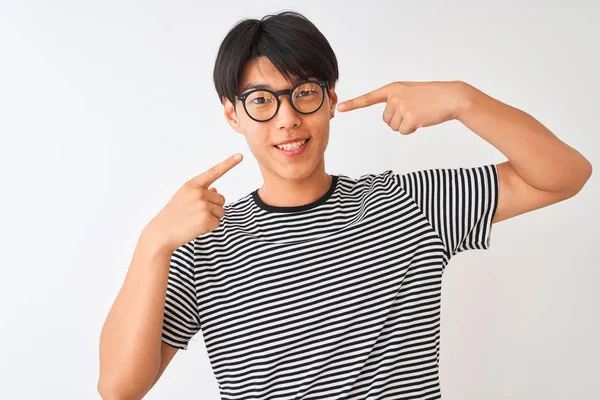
[{"x": 319, "y": 285}]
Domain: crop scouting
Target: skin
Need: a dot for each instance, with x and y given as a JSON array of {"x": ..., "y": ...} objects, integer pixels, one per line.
[
  {"x": 288, "y": 181},
  {"x": 132, "y": 355},
  {"x": 541, "y": 169}
]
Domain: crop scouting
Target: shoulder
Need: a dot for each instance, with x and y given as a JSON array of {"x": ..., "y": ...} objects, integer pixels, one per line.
[
  {"x": 241, "y": 205},
  {"x": 367, "y": 180}
]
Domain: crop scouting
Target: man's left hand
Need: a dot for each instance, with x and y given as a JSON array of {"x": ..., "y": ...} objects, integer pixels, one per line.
[{"x": 413, "y": 105}]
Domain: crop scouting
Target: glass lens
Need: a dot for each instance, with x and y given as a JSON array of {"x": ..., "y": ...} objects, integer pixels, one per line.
[
  {"x": 307, "y": 97},
  {"x": 262, "y": 105}
]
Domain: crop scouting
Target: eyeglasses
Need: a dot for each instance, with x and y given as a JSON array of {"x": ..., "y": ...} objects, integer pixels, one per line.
[{"x": 306, "y": 97}]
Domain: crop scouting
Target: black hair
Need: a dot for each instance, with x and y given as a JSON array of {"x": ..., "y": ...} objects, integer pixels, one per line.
[{"x": 289, "y": 40}]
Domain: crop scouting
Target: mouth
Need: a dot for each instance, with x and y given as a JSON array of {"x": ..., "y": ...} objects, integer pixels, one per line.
[{"x": 292, "y": 149}]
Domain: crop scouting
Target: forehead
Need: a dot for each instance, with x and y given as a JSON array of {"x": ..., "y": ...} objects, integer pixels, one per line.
[{"x": 261, "y": 73}]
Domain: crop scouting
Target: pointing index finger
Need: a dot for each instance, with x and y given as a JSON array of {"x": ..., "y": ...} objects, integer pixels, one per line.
[
  {"x": 207, "y": 178},
  {"x": 376, "y": 96}
]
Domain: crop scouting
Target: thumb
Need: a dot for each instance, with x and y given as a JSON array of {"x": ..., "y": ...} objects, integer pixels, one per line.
[{"x": 213, "y": 189}]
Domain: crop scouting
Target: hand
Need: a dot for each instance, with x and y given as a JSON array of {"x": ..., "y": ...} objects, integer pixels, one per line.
[
  {"x": 194, "y": 209},
  {"x": 413, "y": 105}
]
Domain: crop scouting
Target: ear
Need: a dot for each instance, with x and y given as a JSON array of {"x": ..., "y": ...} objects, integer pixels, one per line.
[
  {"x": 231, "y": 115},
  {"x": 333, "y": 99}
]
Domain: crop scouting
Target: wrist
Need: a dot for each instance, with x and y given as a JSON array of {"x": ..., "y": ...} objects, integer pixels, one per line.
[
  {"x": 466, "y": 99},
  {"x": 152, "y": 242}
]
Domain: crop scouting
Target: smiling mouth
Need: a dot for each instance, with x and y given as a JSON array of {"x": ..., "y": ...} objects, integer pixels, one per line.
[{"x": 292, "y": 148}]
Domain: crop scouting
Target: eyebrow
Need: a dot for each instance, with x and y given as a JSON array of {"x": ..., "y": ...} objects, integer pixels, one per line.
[{"x": 262, "y": 85}]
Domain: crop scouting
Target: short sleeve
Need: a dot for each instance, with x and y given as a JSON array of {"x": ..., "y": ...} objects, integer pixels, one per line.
[
  {"x": 459, "y": 203},
  {"x": 181, "y": 317}
]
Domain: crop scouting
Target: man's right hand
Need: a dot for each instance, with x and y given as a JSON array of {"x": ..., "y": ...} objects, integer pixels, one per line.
[{"x": 194, "y": 209}]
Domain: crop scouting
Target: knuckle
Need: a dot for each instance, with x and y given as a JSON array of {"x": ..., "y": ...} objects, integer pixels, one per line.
[
  {"x": 205, "y": 218},
  {"x": 407, "y": 131}
]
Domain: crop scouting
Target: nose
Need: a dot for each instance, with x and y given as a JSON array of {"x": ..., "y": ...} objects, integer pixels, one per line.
[{"x": 287, "y": 116}]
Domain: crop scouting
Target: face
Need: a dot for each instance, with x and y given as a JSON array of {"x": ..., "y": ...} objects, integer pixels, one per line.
[{"x": 285, "y": 125}]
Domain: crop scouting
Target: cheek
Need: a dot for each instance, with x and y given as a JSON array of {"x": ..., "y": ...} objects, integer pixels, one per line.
[
  {"x": 319, "y": 127},
  {"x": 258, "y": 140}
]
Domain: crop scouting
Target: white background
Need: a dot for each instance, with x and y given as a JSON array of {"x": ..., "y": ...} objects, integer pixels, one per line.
[{"x": 107, "y": 107}]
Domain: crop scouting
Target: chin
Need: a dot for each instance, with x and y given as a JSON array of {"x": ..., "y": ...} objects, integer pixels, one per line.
[{"x": 295, "y": 173}]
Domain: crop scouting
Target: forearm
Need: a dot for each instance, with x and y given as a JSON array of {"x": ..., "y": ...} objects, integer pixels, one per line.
[
  {"x": 537, "y": 155},
  {"x": 130, "y": 341}
]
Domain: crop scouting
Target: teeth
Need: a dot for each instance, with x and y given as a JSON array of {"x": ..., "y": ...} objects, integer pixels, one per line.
[{"x": 291, "y": 146}]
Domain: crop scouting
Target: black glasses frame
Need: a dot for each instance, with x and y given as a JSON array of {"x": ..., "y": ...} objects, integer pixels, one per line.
[{"x": 242, "y": 97}]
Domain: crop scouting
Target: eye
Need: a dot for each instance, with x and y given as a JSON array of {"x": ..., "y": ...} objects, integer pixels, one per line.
[
  {"x": 306, "y": 93},
  {"x": 259, "y": 100}
]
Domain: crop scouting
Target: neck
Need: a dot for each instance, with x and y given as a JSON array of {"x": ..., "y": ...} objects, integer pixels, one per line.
[{"x": 280, "y": 192}]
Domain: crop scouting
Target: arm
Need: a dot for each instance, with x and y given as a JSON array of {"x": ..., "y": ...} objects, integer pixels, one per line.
[
  {"x": 157, "y": 302},
  {"x": 167, "y": 352},
  {"x": 132, "y": 355},
  {"x": 541, "y": 169}
]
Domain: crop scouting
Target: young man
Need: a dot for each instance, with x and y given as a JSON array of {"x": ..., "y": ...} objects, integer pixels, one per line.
[{"x": 319, "y": 285}]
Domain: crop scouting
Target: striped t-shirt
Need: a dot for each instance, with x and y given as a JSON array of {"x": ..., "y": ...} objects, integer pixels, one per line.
[{"x": 336, "y": 299}]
